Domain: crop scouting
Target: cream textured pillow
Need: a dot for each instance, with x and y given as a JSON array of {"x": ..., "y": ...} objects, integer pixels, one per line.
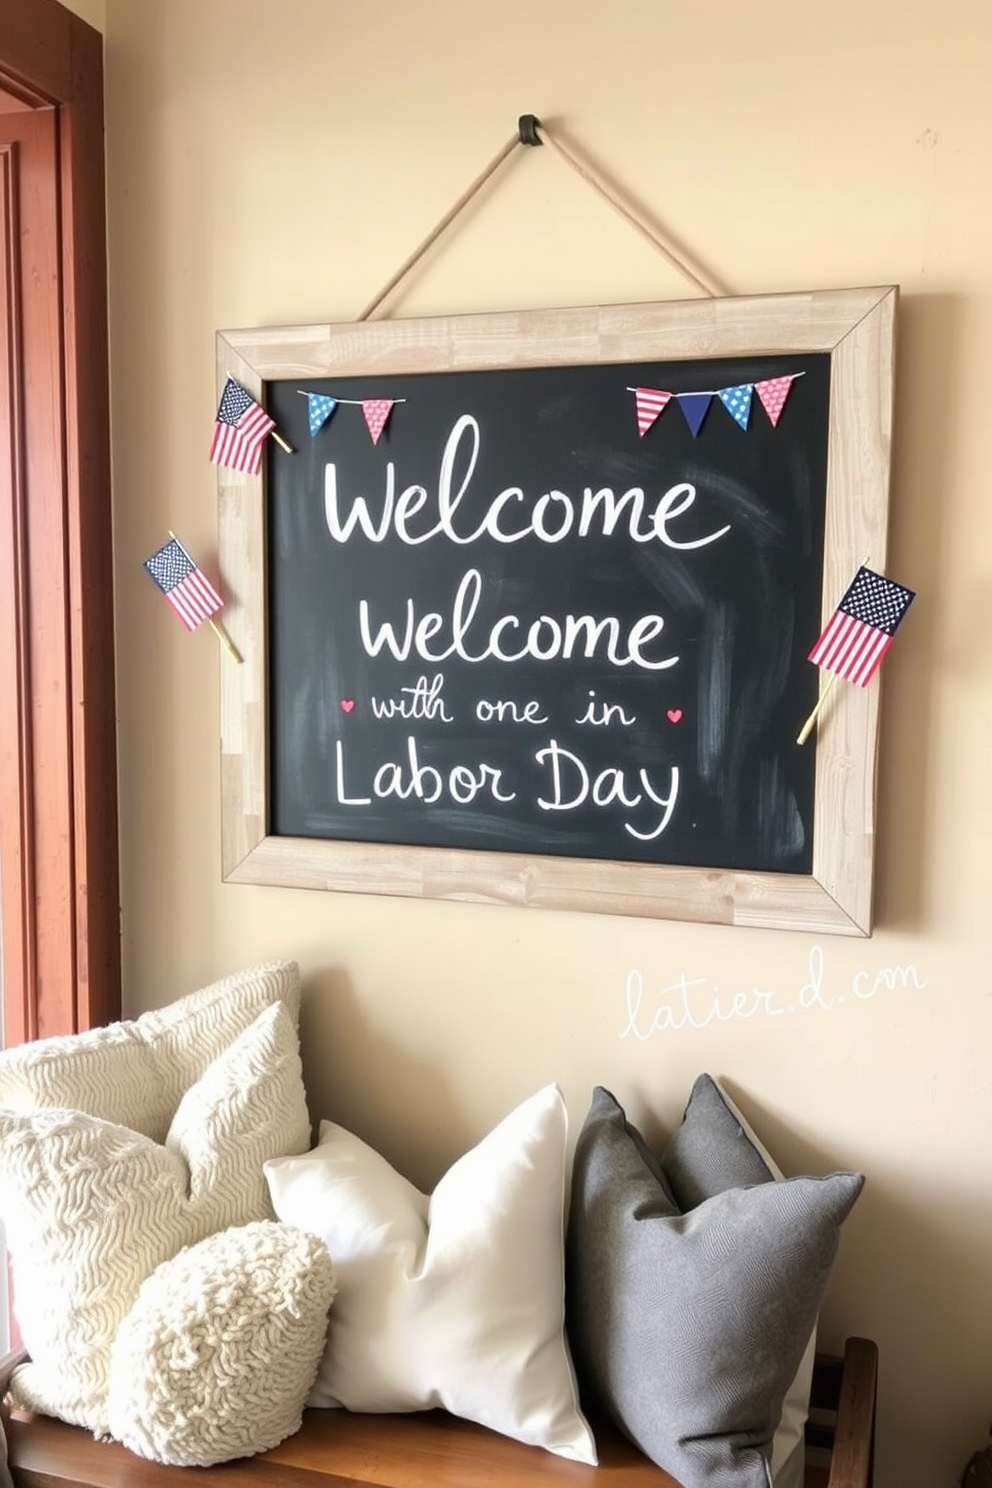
[
  {"x": 217, "y": 1356},
  {"x": 134, "y": 1074},
  {"x": 92, "y": 1208},
  {"x": 456, "y": 1300}
]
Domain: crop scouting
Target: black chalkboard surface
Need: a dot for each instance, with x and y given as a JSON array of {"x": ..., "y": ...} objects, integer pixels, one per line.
[
  {"x": 516, "y": 623},
  {"x": 540, "y": 640}
]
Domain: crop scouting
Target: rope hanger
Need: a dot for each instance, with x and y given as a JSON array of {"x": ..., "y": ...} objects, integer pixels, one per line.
[{"x": 530, "y": 131}]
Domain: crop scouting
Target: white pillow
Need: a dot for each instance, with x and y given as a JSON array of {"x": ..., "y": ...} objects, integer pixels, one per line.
[
  {"x": 92, "y": 1208},
  {"x": 217, "y": 1356},
  {"x": 456, "y": 1300},
  {"x": 135, "y": 1073}
]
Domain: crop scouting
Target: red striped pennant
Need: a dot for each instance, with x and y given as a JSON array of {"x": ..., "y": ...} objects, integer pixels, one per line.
[{"x": 649, "y": 403}]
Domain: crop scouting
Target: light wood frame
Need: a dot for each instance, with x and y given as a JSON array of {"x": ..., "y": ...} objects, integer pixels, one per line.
[{"x": 857, "y": 328}]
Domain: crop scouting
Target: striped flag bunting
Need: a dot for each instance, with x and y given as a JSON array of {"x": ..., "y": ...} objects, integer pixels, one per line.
[
  {"x": 772, "y": 393},
  {"x": 860, "y": 630},
  {"x": 648, "y": 402}
]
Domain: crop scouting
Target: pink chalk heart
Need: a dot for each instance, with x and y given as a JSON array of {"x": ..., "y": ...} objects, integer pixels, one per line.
[
  {"x": 674, "y": 714},
  {"x": 347, "y": 704}
]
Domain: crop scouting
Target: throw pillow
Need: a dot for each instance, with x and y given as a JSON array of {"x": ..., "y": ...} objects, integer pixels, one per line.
[
  {"x": 92, "y": 1208},
  {"x": 218, "y": 1353},
  {"x": 134, "y": 1073},
  {"x": 690, "y": 1327},
  {"x": 712, "y": 1150},
  {"x": 453, "y": 1300}
]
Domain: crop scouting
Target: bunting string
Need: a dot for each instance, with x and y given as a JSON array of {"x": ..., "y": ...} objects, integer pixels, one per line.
[
  {"x": 375, "y": 411},
  {"x": 355, "y": 402},
  {"x": 650, "y": 403}
]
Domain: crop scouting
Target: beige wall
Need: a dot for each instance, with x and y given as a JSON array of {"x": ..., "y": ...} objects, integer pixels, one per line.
[
  {"x": 274, "y": 164},
  {"x": 93, "y": 12}
]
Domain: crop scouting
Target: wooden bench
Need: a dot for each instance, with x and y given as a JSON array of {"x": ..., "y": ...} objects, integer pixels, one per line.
[{"x": 335, "y": 1449}]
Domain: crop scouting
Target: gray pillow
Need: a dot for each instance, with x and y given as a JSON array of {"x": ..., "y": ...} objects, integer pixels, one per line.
[
  {"x": 712, "y": 1150},
  {"x": 689, "y": 1327}
]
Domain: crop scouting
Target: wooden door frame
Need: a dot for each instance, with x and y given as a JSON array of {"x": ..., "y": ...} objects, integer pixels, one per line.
[{"x": 55, "y": 982}]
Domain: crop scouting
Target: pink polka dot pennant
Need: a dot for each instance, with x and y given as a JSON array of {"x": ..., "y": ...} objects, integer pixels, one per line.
[
  {"x": 773, "y": 393},
  {"x": 376, "y": 411}
]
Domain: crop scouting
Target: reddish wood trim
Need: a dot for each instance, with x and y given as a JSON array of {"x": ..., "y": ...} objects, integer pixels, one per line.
[
  {"x": 43, "y": 515},
  {"x": 90, "y": 538},
  {"x": 70, "y": 971},
  {"x": 9, "y": 104},
  {"x": 17, "y": 902},
  {"x": 36, "y": 50}
]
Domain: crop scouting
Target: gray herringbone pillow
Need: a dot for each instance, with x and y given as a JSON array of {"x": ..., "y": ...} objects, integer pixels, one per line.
[{"x": 689, "y": 1327}]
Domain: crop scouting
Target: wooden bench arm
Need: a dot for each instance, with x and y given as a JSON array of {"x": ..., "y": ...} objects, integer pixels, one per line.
[
  {"x": 842, "y": 1416},
  {"x": 852, "y": 1461}
]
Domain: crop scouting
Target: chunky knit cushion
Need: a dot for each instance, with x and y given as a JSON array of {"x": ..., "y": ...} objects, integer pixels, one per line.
[
  {"x": 91, "y": 1208},
  {"x": 218, "y": 1353},
  {"x": 135, "y": 1073}
]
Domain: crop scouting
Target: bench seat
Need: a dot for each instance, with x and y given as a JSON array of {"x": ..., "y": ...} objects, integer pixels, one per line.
[{"x": 335, "y": 1449}]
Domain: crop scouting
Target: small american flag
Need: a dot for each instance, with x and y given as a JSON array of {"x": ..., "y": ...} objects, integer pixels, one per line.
[
  {"x": 860, "y": 631},
  {"x": 189, "y": 592},
  {"x": 240, "y": 430}
]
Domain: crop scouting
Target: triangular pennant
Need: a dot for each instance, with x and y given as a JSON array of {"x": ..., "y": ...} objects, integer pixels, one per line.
[
  {"x": 695, "y": 406},
  {"x": 773, "y": 393},
  {"x": 376, "y": 411},
  {"x": 737, "y": 401},
  {"x": 319, "y": 409},
  {"x": 649, "y": 402}
]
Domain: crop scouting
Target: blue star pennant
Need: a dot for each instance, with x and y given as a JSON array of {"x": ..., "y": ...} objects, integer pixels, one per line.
[
  {"x": 737, "y": 401},
  {"x": 695, "y": 407},
  {"x": 319, "y": 409}
]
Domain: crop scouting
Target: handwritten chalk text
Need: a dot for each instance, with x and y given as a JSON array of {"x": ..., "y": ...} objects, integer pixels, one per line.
[
  {"x": 509, "y": 638},
  {"x": 552, "y": 517},
  {"x": 696, "y": 1002}
]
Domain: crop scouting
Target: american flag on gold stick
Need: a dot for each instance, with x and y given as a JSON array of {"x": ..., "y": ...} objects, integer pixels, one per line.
[
  {"x": 859, "y": 633},
  {"x": 187, "y": 588},
  {"x": 240, "y": 430}
]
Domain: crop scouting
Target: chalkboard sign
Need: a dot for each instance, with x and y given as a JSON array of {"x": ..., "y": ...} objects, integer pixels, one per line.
[{"x": 525, "y": 615}]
